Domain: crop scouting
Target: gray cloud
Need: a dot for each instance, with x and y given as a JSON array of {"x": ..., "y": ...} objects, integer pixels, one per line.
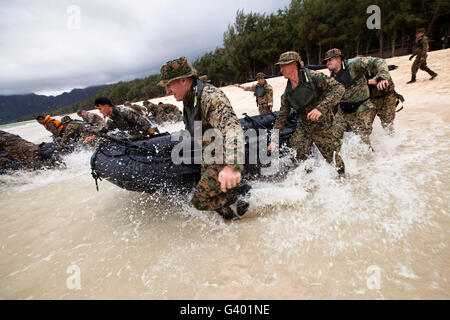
[{"x": 43, "y": 50}]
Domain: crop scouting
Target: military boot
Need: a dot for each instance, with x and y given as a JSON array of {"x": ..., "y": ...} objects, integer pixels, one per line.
[
  {"x": 412, "y": 80},
  {"x": 434, "y": 75},
  {"x": 234, "y": 211}
]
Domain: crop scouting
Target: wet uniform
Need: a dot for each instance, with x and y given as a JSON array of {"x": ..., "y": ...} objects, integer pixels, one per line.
[
  {"x": 354, "y": 111},
  {"x": 215, "y": 111},
  {"x": 126, "y": 119},
  {"x": 17, "y": 153},
  {"x": 328, "y": 93},
  {"x": 94, "y": 119}
]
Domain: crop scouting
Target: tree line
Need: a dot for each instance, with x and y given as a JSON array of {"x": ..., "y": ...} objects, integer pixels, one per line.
[{"x": 254, "y": 41}]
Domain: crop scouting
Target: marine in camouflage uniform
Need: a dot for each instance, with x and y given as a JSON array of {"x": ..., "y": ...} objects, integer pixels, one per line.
[
  {"x": 91, "y": 118},
  {"x": 125, "y": 119},
  {"x": 52, "y": 125},
  {"x": 141, "y": 110},
  {"x": 420, "y": 51},
  {"x": 263, "y": 93},
  {"x": 355, "y": 109},
  {"x": 208, "y": 104},
  {"x": 328, "y": 92},
  {"x": 385, "y": 102},
  {"x": 17, "y": 153},
  {"x": 74, "y": 130},
  {"x": 168, "y": 112}
]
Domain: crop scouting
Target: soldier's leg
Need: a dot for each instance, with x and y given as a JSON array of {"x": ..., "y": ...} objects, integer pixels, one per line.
[
  {"x": 377, "y": 107},
  {"x": 387, "y": 112},
  {"x": 263, "y": 109},
  {"x": 301, "y": 142},
  {"x": 361, "y": 124},
  {"x": 340, "y": 124},
  {"x": 415, "y": 66},
  {"x": 207, "y": 193},
  {"x": 330, "y": 146},
  {"x": 425, "y": 68}
]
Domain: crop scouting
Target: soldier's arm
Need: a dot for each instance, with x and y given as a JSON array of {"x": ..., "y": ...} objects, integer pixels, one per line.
[
  {"x": 52, "y": 128},
  {"x": 141, "y": 122},
  {"x": 376, "y": 66},
  {"x": 68, "y": 134},
  {"x": 220, "y": 115},
  {"x": 283, "y": 116},
  {"x": 269, "y": 95},
  {"x": 251, "y": 88},
  {"x": 332, "y": 89}
]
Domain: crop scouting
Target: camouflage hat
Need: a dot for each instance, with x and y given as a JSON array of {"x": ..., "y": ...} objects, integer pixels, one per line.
[
  {"x": 260, "y": 75},
  {"x": 175, "y": 69},
  {"x": 332, "y": 53},
  {"x": 420, "y": 30},
  {"x": 288, "y": 57},
  {"x": 65, "y": 119}
]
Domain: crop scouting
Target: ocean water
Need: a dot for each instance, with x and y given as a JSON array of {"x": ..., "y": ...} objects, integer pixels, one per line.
[{"x": 382, "y": 233}]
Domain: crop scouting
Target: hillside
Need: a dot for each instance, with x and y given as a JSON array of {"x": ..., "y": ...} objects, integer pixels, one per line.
[{"x": 14, "y": 107}]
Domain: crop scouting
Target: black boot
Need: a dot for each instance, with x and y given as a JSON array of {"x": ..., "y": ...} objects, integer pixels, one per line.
[
  {"x": 234, "y": 211},
  {"x": 411, "y": 81},
  {"x": 434, "y": 75}
]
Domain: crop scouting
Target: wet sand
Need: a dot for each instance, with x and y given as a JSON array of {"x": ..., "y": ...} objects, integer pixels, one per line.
[{"x": 383, "y": 233}]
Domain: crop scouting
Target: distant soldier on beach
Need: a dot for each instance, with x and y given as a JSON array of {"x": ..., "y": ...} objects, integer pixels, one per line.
[
  {"x": 263, "y": 93},
  {"x": 91, "y": 118},
  {"x": 208, "y": 105},
  {"x": 420, "y": 52},
  {"x": 313, "y": 95},
  {"x": 354, "y": 111}
]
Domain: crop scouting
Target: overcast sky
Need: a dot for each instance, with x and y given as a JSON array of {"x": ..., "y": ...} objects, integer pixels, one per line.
[{"x": 48, "y": 47}]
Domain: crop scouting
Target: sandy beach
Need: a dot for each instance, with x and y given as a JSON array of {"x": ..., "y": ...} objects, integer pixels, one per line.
[{"x": 384, "y": 233}]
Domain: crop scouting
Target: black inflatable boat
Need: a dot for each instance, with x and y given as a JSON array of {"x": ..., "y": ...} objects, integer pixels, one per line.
[{"x": 146, "y": 165}]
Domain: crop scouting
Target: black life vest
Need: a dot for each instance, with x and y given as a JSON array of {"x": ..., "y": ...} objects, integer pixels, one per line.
[
  {"x": 260, "y": 91},
  {"x": 193, "y": 113},
  {"x": 304, "y": 94},
  {"x": 344, "y": 77}
]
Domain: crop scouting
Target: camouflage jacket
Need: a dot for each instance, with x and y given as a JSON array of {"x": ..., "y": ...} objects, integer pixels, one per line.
[
  {"x": 76, "y": 129},
  {"x": 375, "y": 93},
  {"x": 328, "y": 92},
  {"x": 94, "y": 119},
  {"x": 53, "y": 130},
  {"x": 358, "y": 90},
  {"x": 126, "y": 119},
  {"x": 18, "y": 153},
  {"x": 421, "y": 47},
  {"x": 139, "y": 109},
  {"x": 267, "y": 98},
  {"x": 216, "y": 112}
]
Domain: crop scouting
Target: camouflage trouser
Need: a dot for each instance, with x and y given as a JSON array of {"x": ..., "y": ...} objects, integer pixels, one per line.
[
  {"x": 264, "y": 109},
  {"x": 207, "y": 193},
  {"x": 323, "y": 136},
  {"x": 20, "y": 151},
  {"x": 358, "y": 122},
  {"x": 384, "y": 108},
  {"x": 420, "y": 63}
]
